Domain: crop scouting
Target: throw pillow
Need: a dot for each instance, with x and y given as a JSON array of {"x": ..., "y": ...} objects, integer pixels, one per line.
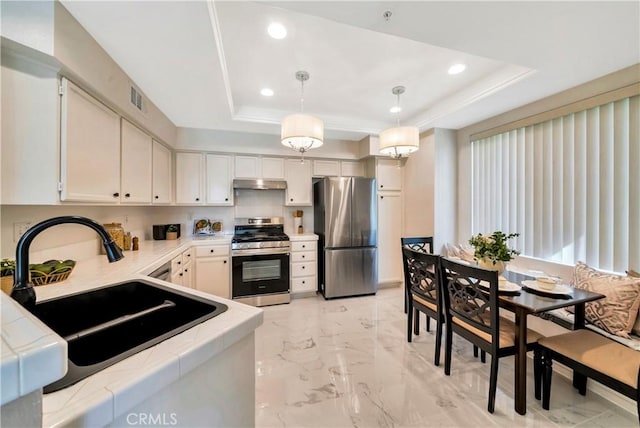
[
  {"x": 636, "y": 327},
  {"x": 617, "y": 312}
]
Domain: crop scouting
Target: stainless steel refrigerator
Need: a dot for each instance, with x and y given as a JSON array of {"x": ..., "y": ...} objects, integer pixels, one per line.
[{"x": 345, "y": 220}]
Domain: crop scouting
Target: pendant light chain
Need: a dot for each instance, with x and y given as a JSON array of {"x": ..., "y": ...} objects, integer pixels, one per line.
[
  {"x": 400, "y": 141},
  {"x": 299, "y": 131},
  {"x": 301, "y": 95}
]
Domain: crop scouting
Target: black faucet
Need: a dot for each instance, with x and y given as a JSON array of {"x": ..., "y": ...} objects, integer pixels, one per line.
[{"x": 23, "y": 291}]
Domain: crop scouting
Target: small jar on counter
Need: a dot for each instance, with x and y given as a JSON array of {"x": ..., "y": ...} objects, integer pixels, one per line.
[
  {"x": 116, "y": 231},
  {"x": 127, "y": 241}
]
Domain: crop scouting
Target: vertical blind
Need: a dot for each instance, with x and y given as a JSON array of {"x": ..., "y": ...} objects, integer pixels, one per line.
[{"x": 570, "y": 186}]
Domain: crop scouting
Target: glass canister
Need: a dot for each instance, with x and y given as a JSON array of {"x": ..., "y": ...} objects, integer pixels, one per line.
[{"x": 117, "y": 233}]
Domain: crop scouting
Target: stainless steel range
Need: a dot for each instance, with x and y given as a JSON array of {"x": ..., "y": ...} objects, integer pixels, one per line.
[{"x": 260, "y": 261}]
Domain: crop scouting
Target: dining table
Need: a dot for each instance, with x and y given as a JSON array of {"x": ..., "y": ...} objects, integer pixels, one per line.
[{"x": 528, "y": 301}]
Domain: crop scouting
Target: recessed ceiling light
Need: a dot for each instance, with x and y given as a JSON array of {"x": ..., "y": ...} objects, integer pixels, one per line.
[
  {"x": 277, "y": 31},
  {"x": 457, "y": 68},
  {"x": 395, "y": 109},
  {"x": 267, "y": 92}
]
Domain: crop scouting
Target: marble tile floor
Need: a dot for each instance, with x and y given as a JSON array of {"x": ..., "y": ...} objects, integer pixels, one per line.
[{"x": 346, "y": 363}]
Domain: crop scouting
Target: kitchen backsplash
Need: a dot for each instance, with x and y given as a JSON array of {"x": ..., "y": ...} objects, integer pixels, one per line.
[{"x": 78, "y": 242}]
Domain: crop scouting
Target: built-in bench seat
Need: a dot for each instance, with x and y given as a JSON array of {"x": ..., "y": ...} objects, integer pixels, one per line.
[
  {"x": 591, "y": 355},
  {"x": 564, "y": 318}
]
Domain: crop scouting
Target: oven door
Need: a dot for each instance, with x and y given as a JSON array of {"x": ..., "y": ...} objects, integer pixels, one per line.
[{"x": 260, "y": 274}]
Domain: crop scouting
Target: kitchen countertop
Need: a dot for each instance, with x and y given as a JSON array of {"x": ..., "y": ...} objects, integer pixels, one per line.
[
  {"x": 102, "y": 397},
  {"x": 303, "y": 237}
]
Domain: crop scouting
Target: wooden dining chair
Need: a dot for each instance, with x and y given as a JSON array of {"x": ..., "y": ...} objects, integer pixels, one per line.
[
  {"x": 422, "y": 278},
  {"x": 423, "y": 244},
  {"x": 471, "y": 310}
]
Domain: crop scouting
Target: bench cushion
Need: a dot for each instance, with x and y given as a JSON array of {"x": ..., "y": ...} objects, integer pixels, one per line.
[
  {"x": 507, "y": 336},
  {"x": 597, "y": 352}
]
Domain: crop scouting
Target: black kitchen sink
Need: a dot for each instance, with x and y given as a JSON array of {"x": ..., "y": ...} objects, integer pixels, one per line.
[{"x": 106, "y": 325}]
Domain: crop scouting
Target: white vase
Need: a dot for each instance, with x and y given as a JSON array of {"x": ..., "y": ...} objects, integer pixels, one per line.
[{"x": 500, "y": 266}]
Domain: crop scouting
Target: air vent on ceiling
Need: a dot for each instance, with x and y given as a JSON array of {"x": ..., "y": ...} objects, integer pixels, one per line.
[{"x": 136, "y": 99}]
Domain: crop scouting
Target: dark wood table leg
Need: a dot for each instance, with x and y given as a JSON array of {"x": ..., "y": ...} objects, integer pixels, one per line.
[
  {"x": 579, "y": 381},
  {"x": 520, "y": 374}
]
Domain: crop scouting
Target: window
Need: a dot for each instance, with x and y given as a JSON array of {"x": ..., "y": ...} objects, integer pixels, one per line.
[{"x": 570, "y": 186}]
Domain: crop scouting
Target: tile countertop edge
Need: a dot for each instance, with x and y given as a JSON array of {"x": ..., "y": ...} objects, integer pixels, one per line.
[
  {"x": 32, "y": 355},
  {"x": 107, "y": 394},
  {"x": 303, "y": 237}
]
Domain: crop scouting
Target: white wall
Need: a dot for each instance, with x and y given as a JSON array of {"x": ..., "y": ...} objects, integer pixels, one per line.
[
  {"x": 430, "y": 188},
  {"x": 418, "y": 189},
  {"x": 29, "y": 23},
  {"x": 45, "y": 31},
  {"x": 445, "y": 187},
  {"x": 30, "y": 124},
  {"x": 78, "y": 242}
]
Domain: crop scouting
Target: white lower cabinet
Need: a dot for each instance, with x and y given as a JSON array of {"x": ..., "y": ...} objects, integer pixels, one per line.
[
  {"x": 182, "y": 269},
  {"x": 213, "y": 270},
  {"x": 304, "y": 266}
]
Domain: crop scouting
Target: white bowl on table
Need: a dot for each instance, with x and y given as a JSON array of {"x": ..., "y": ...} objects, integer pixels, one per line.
[{"x": 545, "y": 283}]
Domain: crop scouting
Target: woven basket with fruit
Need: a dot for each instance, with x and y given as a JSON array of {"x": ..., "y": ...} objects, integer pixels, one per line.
[
  {"x": 7, "y": 267},
  {"x": 51, "y": 271}
]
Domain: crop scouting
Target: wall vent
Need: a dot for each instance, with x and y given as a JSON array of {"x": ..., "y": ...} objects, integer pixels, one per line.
[{"x": 136, "y": 99}]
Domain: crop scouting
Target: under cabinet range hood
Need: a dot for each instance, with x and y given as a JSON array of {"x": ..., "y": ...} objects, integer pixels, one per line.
[{"x": 259, "y": 184}]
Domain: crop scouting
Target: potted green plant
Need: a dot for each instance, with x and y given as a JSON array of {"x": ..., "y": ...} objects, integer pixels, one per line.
[
  {"x": 172, "y": 232},
  {"x": 491, "y": 251}
]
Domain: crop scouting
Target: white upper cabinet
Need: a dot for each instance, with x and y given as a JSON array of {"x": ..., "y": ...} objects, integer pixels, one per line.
[
  {"x": 161, "y": 188},
  {"x": 388, "y": 174},
  {"x": 326, "y": 168},
  {"x": 298, "y": 176},
  {"x": 273, "y": 168},
  {"x": 352, "y": 168},
  {"x": 219, "y": 179},
  {"x": 247, "y": 167},
  {"x": 254, "y": 167},
  {"x": 136, "y": 165},
  {"x": 90, "y": 148},
  {"x": 189, "y": 178}
]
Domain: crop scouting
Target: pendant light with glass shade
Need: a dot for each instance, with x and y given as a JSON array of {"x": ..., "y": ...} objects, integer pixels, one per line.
[
  {"x": 402, "y": 140},
  {"x": 302, "y": 132}
]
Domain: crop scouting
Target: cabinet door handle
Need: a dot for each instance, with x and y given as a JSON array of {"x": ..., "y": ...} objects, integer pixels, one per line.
[
  {"x": 127, "y": 195},
  {"x": 303, "y": 267},
  {"x": 212, "y": 251},
  {"x": 226, "y": 199},
  {"x": 197, "y": 199},
  {"x": 381, "y": 197},
  {"x": 180, "y": 273},
  {"x": 179, "y": 263},
  {"x": 303, "y": 256},
  {"x": 304, "y": 282},
  {"x": 381, "y": 186},
  {"x": 115, "y": 195},
  {"x": 157, "y": 197},
  {"x": 291, "y": 199},
  {"x": 304, "y": 246},
  {"x": 186, "y": 270},
  {"x": 225, "y": 262}
]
